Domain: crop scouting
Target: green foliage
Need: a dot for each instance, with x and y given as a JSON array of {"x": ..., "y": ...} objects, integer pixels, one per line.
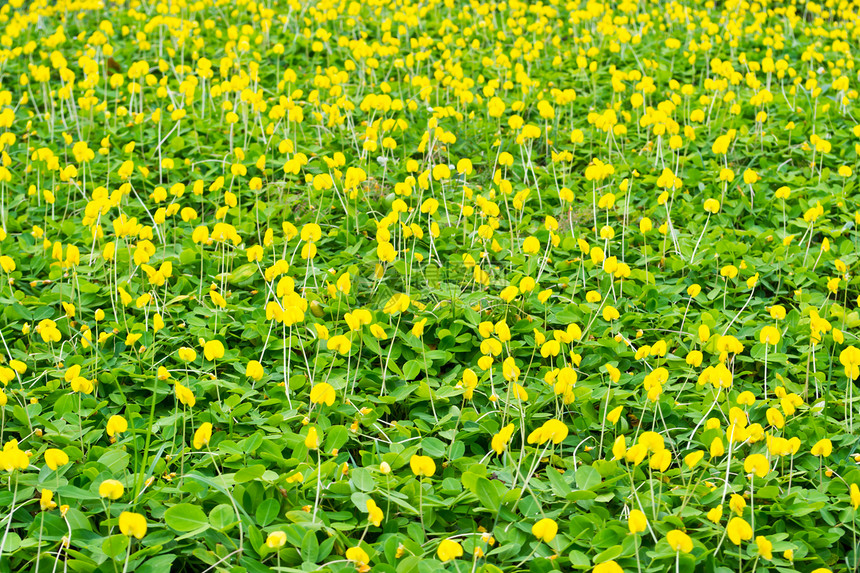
[{"x": 401, "y": 287}]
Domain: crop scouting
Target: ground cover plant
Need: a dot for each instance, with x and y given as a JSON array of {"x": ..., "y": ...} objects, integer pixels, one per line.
[{"x": 411, "y": 286}]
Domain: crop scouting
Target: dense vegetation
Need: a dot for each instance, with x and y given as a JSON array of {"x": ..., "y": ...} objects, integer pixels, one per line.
[{"x": 402, "y": 286}]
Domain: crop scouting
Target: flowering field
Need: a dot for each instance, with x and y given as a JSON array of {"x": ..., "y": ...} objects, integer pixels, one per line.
[{"x": 410, "y": 286}]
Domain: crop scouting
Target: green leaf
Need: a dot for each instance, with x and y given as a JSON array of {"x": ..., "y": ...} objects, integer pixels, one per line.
[
  {"x": 411, "y": 370},
  {"x": 609, "y": 554},
  {"x": 587, "y": 478},
  {"x": 115, "y": 546},
  {"x": 222, "y": 516},
  {"x": 158, "y": 564},
  {"x": 267, "y": 511},
  {"x": 249, "y": 473},
  {"x": 363, "y": 479},
  {"x": 243, "y": 274},
  {"x": 310, "y": 546},
  {"x": 556, "y": 481},
  {"x": 434, "y": 447},
  {"x": 579, "y": 560},
  {"x": 488, "y": 494},
  {"x": 185, "y": 517},
  {"x": 115, "y": 460},
  {"x": 336, "y": 437}
]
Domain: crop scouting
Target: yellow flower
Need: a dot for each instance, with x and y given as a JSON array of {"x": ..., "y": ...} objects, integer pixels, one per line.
[
  {"x": 750, "y": 176},
  {"x": 276, "y": 539},
  {"x": 385, "y": 252},
  {"x": 186, "y": 354},
  {"x": 132, "y": 524},
  {"x": 850, "y": 359},
  {"x": 185, "y": 395},
  {"x": 510, "y": 370},
  {"x": 550, "y": 348},
  {"x": 855, "y": 496},
  {"x": 769, "y": 335},
  {"x": 531, "y": 245},
  {"x": 202, "y": 435},
  {"x": 746, "y": 398},
  {"x": 340, "y": 344},
  {"x": 619, "y": 448},
  {"x": 636, "y": 454},
  {"x": 500, "y": 440},
  {"x": 254, "y": 370},
  {"x": 607, "y": 567},
  {"x": 737, "y": 504},
  {"x": 509, "y": 293},
  {"x": 116, "y": 425},
  {"x": 729, "y": 271},
  {"x": 323, "y": 393},
  {"x": 715, "y": 514},
  {"x": 679, "y": 541},
  {"x": 717, "y": 449},
  {"x": 357, "y": 555},
  {"x": 375, "y": 515},
  {"x": 764, "y": 547},
  {"x": 614, "y": 415},
  {"x": 470, "y": 382},
  {"x": 312, "y": 441},
  {"x": 8, "y": 265},
  {"x": 637, "y": 522},
  {"x": 614, "y": 374},
  {"x": 418, "y": 328},
  {"x": 47, "y": 500},
  {"x": 527, "y": 284},
  {"x": 82, "y": 385},
  {"x": 551, "y": 429},
  {"x": 111, "y": 489},
  {"x": 610, "y": 313},
  {"x": 213, "y": 350},
  {"x": 55, "y": 458},
  {"x": 822, "y": 448},
  {"x": 545, "y": 529},
  {"x": 739, "y": 530},
  {"x": 692, "y": 459},
  {"x": 756, "y": 464},
  {"x": 358, "y": 318},
  {"x": 311, "y": 231},
  {"x": 422, "y": 465},
  {"x": 378, "y": 332},
  {"x": 448, "y": 550},
  {"x": 660, "y": 460},
  {"x": 653, "y": 441}
]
